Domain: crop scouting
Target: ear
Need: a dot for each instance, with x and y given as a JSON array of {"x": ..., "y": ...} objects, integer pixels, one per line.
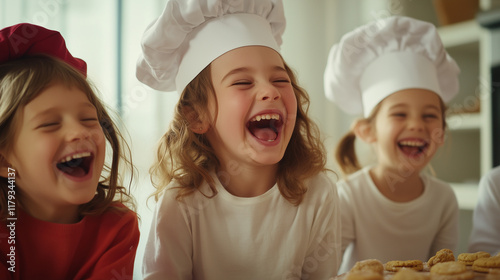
[
  {"x": 4, "y": 167},
  {"x": 364, "y": 131},
  {"x": 197, "y": 124}
]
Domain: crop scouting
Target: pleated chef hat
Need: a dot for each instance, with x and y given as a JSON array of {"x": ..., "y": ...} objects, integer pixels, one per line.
[
  {"x": 190, "y": 34},
  {"x": 386, "y": 56}
]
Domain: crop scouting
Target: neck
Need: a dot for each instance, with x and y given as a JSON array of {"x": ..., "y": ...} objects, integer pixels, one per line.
[
  {"x": 51, "y": 213},
  {"x": 397, "y": 185},
  {"x": 246, "y": 181}
]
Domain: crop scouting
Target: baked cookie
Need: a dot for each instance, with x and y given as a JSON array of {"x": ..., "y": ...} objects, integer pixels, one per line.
[
  {"x": 369, "y": 265},
  {"x": 409, "y": 274},
  {"x": 443, "y": 255},
  {"x": 363, "y": 275},
  {"x": 469, "y": 258},
  {"x": 451, "y": 270},
  {"x": 485, "y": 264},
  {"x": 417, "y": 265}
]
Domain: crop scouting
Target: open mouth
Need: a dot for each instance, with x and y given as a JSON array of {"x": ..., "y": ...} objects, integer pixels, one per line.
[
  {"x": 265, "y": 127},
  {"x": 77, "y": 165},
  {"x": 413, "y": 147}
]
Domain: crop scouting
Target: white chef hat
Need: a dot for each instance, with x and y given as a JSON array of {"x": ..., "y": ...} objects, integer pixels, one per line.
[
  {"x": 386, "y": 56},
  {"x": 190, "y": 34}
]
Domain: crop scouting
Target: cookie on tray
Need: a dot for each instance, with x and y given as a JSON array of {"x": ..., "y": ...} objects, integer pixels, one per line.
[
  {"x": 417, "y": 265},
  {"x": 443, "y": 255},
  {"x": 451, "y": 271},
  {"x": 485, "y": 264},
  {"x": 369, "y": 265},
  {"x": 409, "y": 274},
  {"x": 363, "y": 275},
  {"x": 469, "y": 258}
]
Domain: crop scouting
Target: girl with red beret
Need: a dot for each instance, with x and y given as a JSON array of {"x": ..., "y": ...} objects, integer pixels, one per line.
[{"x": 62, "y": 207}]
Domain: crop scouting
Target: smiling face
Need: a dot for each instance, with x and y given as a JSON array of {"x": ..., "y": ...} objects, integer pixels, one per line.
[
  {"x": 58, "y": 153},
  {"x": 256, "y": 107},
  {"x": 408, "y": 129}
]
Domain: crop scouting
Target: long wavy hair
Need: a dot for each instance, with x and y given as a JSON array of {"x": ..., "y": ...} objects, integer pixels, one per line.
[
  {"x": 188, "y": 158},
  {"x": 20, "y": 82}
]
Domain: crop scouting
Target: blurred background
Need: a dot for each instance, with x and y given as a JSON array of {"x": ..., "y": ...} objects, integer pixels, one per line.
[{"x": 107, "y": 34}]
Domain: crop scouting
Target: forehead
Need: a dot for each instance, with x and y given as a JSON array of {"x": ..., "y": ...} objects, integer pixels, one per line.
[
  {"x": 249, "y": 56},
  {"x": 412, "y": 98}
]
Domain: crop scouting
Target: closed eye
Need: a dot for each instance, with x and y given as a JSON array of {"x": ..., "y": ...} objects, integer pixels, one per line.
[
  {"x": 238, "y": 83},
  {"x": 48, "y": 124},
  {"x": 399, "y": 115}
]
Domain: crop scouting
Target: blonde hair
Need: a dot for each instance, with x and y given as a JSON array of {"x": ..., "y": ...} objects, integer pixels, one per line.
[
  {"x": 188, "y": 158},
  {"x": 20, "y": 82},
  {"x": 345, "y": 153}
]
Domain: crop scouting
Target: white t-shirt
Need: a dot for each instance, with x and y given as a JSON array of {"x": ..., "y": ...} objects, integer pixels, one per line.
[
  {"x": 375, "y": 227},
  {"x": 485, "y": 235},
  {"x": 229, "y": 237}
]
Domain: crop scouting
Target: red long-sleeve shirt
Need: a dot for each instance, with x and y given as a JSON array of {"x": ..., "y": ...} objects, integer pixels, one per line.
[{"x": 97, "y": 247}]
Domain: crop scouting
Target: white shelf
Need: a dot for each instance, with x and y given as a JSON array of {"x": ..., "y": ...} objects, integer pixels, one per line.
[
  {"x": 460, "y": 34},
  {"x": 465, "y": 121},
  {"x": 466, "y": 195}
]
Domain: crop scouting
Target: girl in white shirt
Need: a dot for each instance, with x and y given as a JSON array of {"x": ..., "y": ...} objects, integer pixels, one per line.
[
  {"x": 396, "y": 73},
  {"x": 240, "y": 178}
]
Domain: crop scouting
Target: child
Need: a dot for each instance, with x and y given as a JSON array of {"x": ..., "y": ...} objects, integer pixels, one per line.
[
  {"x": 61, "y": 207},
  {"x": 397, "y": 74},
  {"x": 240, "y": 180},
  {"x": 485, "y": 235}
]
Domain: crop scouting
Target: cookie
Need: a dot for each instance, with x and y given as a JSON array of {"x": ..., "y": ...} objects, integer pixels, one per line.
[
  {"x": 485, "y": 264},
  {"x": 443, "y": 255},
  {"x": 409, "y": 274},
  {"x": 363, "y": 275},
  {"x": 448, "y": 268},
  {"x": 451, "y": 271},
  {"x": 369, "y": 265},
  {"x": 417, "y": 265},
  {"x": 469, "y": 258}
]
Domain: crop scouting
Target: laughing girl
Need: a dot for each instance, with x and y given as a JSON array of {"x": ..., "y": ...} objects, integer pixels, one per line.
[
  {"x": 242, "y": 191},
  {"x": 396, "y": 73},
  {"x": 61, "y": 206}
]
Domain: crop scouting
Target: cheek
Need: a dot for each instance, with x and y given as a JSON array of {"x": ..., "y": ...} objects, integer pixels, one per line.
[{"x": 437, "y": 135}]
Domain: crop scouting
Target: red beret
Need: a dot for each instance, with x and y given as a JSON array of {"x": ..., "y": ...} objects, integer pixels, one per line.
[{"x": 26, "y": 39}]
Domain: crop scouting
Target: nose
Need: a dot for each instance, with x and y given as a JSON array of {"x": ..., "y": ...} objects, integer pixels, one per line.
[
  {"x": 269, "y": 92},
  {"x": 416, "y": 124},
  {"x": 76, "y": 131}
]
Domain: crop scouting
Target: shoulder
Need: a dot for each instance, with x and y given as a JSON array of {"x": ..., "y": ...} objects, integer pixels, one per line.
[
  {"x": 489, "y": 185},
  {"x": 439, "y": 191},
  {"x": 491, "y": 179},
  {"x": 321, "y": 187},
  {"x": 354, "y": 181},
  {"x": 437, "y": 185}
]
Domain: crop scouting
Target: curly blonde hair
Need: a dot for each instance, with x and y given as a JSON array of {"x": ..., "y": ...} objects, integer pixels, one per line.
[
  {"x": 188, "y": 158},
  {"x": 20, "y": 82}
]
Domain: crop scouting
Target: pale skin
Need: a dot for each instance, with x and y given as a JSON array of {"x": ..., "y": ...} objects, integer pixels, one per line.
[
  {"x": 66, "y": 127},
  {"x": 249, "y": 82},
  {"x": 407, "y": 131}
]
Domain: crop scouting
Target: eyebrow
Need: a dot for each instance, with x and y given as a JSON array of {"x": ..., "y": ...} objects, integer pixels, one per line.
[
  {"x": 393, "y": 107},
  {"x": 246, "y": 69}
]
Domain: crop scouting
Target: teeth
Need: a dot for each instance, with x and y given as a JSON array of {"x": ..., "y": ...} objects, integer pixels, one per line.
[
  {"x": 265, "y": 117},
  {"x": 412, "y": 143},
  {"x": 75, "y": 156}
]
